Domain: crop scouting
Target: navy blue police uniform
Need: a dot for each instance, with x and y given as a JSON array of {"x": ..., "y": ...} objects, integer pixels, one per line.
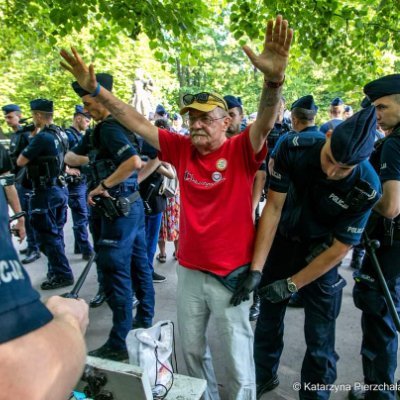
[
  {"x": 48, "y": 204},
  {"x": 154, "y": 205},
  {"x": 316, "y": 212},
  {"x": 21, "y": 310},
  {"x": 18, "y": 141},
  {"x": 380, "y": 338},
  {"x": 77, "y": 201},
  {"x": 333, "y": 123},
  {"x": 120, "y": 240}
]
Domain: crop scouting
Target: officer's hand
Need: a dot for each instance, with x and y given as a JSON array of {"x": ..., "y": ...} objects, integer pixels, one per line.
[
  {"x": 275, "y": 292},
  {"x": 73, "y": 171},
  {"x": 242, "y": 292},
  {"x": 98, "y": 191},
  {"x": 76, "y": 308},
  {"x": 273, "y": 60},
  {"x": 19, "y": 229},
  {"x": 84, "y": 75}
]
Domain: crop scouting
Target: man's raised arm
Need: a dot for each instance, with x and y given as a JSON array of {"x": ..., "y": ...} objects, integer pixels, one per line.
[
  {"x": 123, "y": 112},
  {"x": 272, "y": 62}
]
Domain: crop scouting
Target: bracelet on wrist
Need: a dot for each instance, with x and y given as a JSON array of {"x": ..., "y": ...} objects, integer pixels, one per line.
[
  {"x": 97, "y": 90},
  {"x": 274, "y": 85},
  {"x": 104, "y": 186}
]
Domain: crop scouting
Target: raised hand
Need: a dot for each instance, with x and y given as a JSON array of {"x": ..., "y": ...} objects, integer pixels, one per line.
[
  {"x": 84, "y": 75},
  {"x": 273, "y": 60}
]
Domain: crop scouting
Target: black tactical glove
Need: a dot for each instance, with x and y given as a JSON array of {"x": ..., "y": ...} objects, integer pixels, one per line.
[
  {"x": 275, "y": 292},
  {"x": 243, "y": 290}
]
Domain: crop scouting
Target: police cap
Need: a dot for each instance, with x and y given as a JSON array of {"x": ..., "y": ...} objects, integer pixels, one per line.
[
  {"x": 306, "y": 103},
  {"x": 43, "y": 105},
  {"x": 80, "y": 110},
  {"x": 10, "y": 108},
  {"x": 365, "y": 102},
  {"x": 337, "y": 101},
  {"x": 105, "y": 80},
  {"x": 348, "y": 108},
  {"x": 160, "y": 110},
  {"x": 233, "y": 101},
  {"x": 352, "y": 141},
  {"x": 385, "y": 86}
]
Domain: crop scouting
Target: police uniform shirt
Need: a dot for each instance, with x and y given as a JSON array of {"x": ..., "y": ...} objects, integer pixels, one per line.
[
  {"x": 330, "y": 125},
  {"x": 5, "y": 160},
  {"x": 111, "y": 140},
  {"x": 390, "y": 159},
  {"x": 316, "y": 207},
  {"x": 74, "y": 137},
  {"x": 21, "y": 310},
  {"x": 18, "y": 141},
  {"x": 42, "y": 144}
]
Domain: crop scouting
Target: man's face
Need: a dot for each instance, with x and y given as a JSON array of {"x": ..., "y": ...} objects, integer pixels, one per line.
[
  {"x": 95, "y": 109},
  {"x": 387, "y": 112},
  {"x": 12, "y": 119},
  {"x": 207, "y": 129},
  {"x": 236, "y": 119},
  {"x": 331, "y": 168},
  {"x": 82, "y": 122}
]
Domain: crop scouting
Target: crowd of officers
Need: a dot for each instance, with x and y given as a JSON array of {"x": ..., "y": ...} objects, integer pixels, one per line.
[{"x": 323, "y": 192}]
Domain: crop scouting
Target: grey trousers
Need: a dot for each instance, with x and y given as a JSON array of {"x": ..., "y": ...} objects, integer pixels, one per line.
[{"x": 199, "y": 296}]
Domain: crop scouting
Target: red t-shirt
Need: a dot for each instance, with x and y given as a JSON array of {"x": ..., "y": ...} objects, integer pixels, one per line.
[{"x": 216, "y": 226}]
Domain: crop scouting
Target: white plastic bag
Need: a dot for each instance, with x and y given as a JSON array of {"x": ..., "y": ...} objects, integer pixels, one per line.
[{"x": 151, "y": 349}]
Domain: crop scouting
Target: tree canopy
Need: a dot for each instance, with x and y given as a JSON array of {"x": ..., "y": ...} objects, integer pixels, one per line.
[{"x": 185, "y": 45}]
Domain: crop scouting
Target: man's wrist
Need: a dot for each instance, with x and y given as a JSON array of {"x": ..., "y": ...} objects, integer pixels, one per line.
[
  {"x": 104, "y": 186},
  {"x": 273, "y": 84},
  {"x": 96, "y": 91}
]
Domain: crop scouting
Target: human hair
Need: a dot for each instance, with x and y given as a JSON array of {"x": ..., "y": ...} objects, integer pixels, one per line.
[
  {"x": 303, "y": 114},
  {"x": 397, "y": 98},
  {"x": 162, "y": 123}
]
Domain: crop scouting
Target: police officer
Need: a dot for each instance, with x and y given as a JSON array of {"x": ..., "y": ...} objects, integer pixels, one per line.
[
  {"x": 32, "y": 332},
  {"x": 48, "y": 205},
  {"x": 235, "y": 111},
  {"x": 18, "y": 141},
  {"x": 336, "y": 112},
  {"x": 320, "y": 197},
  {"x": 119, "y": 234},
  {"x": 380, "y": 341},
  {"x": 77, "y": 188}
]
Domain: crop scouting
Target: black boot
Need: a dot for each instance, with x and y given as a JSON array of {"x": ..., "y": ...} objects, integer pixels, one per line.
[
  {"x": 98, "y": 300},
  {"x": 31, "y": 256}
]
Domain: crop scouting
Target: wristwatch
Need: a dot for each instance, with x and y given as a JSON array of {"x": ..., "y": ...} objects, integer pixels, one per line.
[{"x": 291, "y": 286}]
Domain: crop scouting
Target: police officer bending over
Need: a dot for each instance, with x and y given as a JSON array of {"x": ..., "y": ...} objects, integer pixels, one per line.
[
  {"x": 77, "y": 188},
  {"x": 36, "y": 339},
  {"x": 380, "y": 341},
  {"x": 328, "y": 188},
  {"x": 119, "y": 233},
  {"x": 44, "y": 158}
]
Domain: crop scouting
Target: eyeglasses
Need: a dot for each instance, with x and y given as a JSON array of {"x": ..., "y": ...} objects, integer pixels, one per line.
[
  {"x": 203, "y": 98},
  {"x": 204, "y": 119}
]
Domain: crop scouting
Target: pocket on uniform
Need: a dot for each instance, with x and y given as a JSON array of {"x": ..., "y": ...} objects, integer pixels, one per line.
[
  {"x": 42, "y": 221},
  {"x": 332, "y": 289},
  {"x": 368, "y": 298}
]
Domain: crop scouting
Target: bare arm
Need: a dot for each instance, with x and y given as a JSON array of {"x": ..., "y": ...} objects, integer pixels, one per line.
[
  {"x": 389, "y": 204},
  {"x": 123, "y": 112},
  {"x": 272, "y": 62},
  {"x": 75, "y": 160},
  {"x": 321, "y": 264},
  {"x": 22, "y": 160},
  {"x": 123, "y": 172},
  {"x": 266, "y": 230},
  {"x": 40, "y": 364},
  {"x": 258, "y": 186},
  {"x": 13, "y": 201}
]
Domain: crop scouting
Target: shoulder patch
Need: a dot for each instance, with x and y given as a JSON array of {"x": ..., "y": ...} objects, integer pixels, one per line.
[{"x": 299, "y": 141}]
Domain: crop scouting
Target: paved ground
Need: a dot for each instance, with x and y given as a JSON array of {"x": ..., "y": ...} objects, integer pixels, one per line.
[{"x": 348, "y": 325}]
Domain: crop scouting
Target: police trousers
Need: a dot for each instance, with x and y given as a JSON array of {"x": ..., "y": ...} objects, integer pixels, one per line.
[
  {"x": 121, "y": 254},
  {"x": 48, "y": 214},
  {"x": 77, "y": 202},
  {"x": 380, "y": 338},
  {"x": 322, "y": 302}
]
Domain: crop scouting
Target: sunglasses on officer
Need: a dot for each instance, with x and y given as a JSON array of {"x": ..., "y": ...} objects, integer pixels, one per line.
[{"x": 204, "y": 98}]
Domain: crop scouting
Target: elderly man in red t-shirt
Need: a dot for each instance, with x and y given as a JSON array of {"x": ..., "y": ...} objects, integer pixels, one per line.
[{"x": 216, "y": 227}]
